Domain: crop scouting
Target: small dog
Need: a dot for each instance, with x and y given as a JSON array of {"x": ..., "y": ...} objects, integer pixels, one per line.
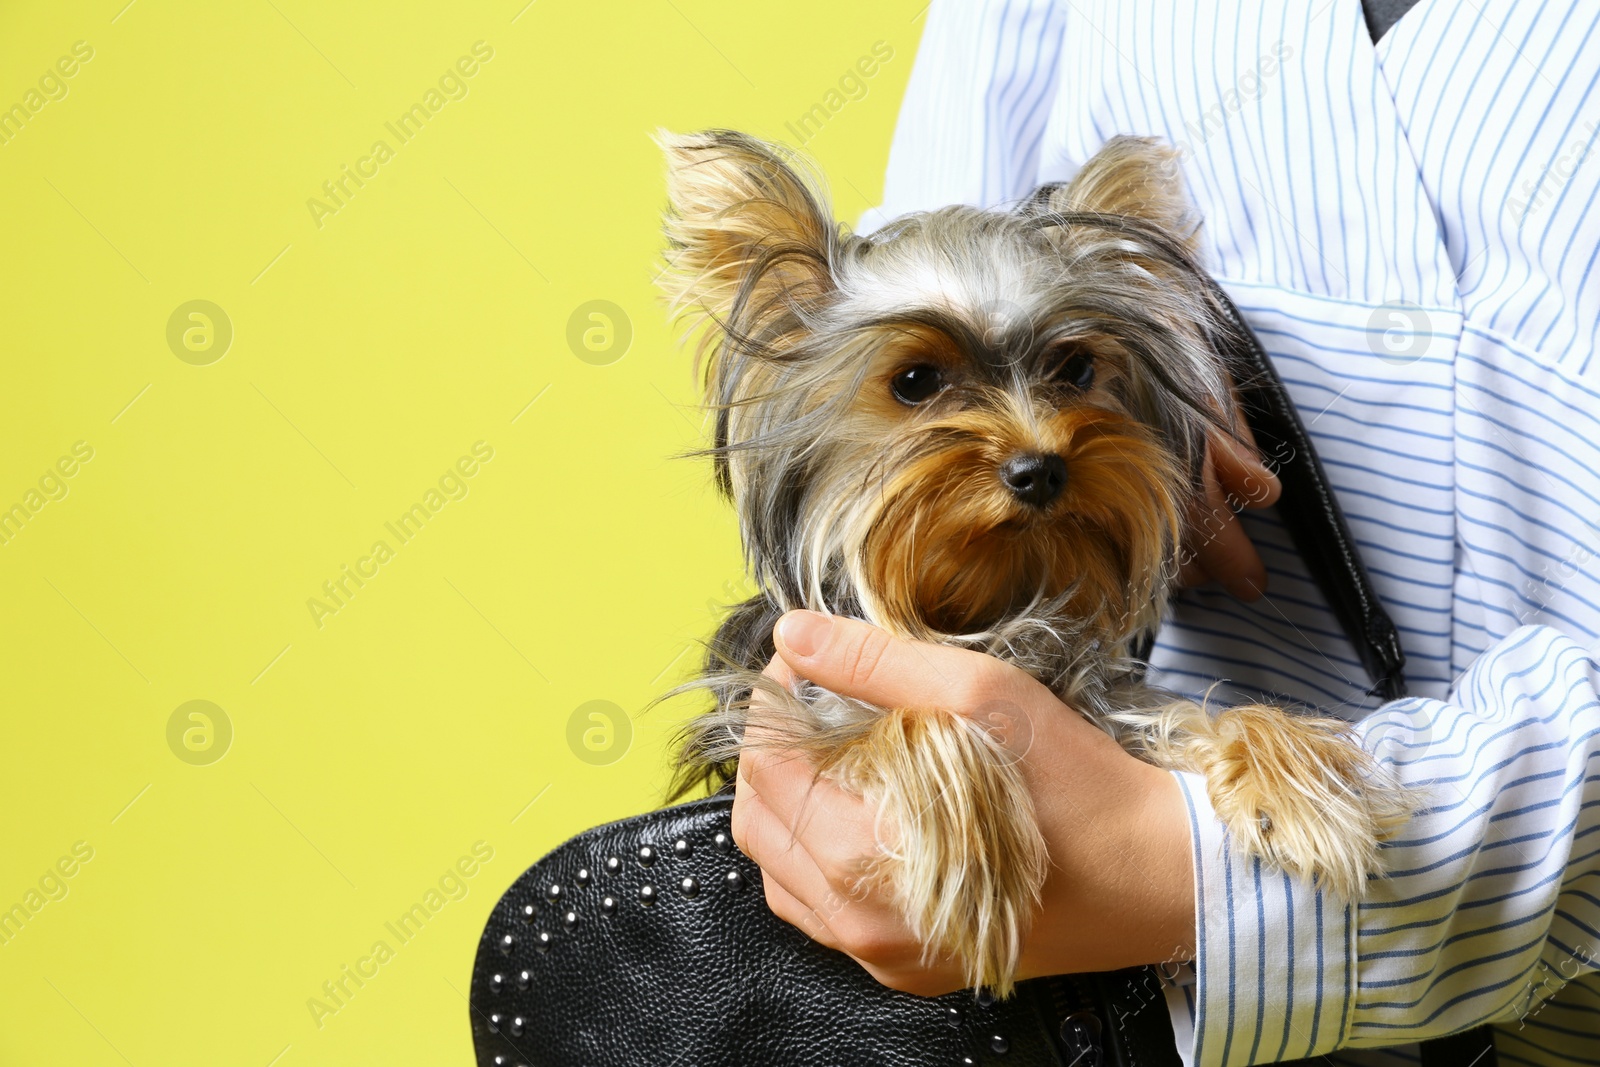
[{"x": 983, "y": 428}]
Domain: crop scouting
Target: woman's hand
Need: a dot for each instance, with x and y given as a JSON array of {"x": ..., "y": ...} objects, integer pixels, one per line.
[
  {"x": 1120, "y": 890},
  {"x": 1215, "y": 546}
]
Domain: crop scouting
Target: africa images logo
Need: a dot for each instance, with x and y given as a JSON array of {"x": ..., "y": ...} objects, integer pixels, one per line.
[
  {"x": 452, "y": 485},
  {"x": 337, "y": 192}
]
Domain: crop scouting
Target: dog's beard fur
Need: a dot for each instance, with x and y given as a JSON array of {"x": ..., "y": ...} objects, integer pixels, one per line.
[
  {"x": 942, "y": 548},
  {"x": 856, "y": 502}
]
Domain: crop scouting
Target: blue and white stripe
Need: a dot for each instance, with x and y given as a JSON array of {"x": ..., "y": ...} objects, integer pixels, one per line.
[{"x": 1412, "y": 229}]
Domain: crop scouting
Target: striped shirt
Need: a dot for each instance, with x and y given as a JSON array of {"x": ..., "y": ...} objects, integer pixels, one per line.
[{"x": 1411, "y": 228}]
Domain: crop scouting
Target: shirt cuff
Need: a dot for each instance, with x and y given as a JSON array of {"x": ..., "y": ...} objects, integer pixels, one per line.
[{"x": 1274, "y": 956}]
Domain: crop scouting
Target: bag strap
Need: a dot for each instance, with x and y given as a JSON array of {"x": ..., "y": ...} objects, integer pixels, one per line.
[{"x": 1308, "y": 508}]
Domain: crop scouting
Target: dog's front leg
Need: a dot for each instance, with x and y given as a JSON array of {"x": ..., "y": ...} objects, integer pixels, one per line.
[
  {"x": 1296, "y": 790},
  {"x": 961, "y": 850}
]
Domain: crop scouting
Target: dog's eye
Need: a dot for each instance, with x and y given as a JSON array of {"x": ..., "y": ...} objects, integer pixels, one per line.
[
  {"x": 1077, "y": 370},
  {"x": 916, "y": 384}
]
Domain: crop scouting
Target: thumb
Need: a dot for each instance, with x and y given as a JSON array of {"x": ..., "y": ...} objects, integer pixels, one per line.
[{"x": 855, "y": 659}]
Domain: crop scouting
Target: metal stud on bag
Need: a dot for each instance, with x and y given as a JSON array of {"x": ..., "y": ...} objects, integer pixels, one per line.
[{"x": 526, "y": 1009}]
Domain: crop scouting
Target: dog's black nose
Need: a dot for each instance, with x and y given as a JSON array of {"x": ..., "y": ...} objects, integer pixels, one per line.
[{"x": 1035, "y": 478}]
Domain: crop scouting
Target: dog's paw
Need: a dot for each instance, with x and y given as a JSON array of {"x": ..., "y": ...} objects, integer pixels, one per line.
[
  {"x": 963, "y": 857},
  {"x": 1303, "y": 795}
]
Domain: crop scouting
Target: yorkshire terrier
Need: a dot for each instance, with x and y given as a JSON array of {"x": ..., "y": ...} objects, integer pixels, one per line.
[{"x": 984, "y": 428}]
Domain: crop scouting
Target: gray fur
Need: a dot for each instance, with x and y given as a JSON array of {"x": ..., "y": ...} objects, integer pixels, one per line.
[{"x": 801, "y": 478}]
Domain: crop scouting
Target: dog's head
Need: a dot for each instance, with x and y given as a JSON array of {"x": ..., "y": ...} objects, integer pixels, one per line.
[{"x": 967, "y": 416}]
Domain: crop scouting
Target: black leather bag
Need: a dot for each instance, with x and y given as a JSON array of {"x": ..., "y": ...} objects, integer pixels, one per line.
[{"x": 649, "y": 942}]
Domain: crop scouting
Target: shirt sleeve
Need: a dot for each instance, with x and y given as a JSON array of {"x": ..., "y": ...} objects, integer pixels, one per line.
[
  {"x": 974, "y": 112},
  {"x": 1489, "y": 907}
]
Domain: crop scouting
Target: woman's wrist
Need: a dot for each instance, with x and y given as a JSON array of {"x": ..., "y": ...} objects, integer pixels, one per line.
[
  {"x": 1125, "y": 896},
  {"x": 1170, "y": 855}
]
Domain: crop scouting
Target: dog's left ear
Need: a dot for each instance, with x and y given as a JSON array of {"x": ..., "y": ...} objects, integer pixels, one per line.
[
  {"x": 750, "y": 232},
  {"x": 1137, "y": 177}
]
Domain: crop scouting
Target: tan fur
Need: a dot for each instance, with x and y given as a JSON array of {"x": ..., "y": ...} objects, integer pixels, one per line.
[
  {"x": 1122, "y": 504},
  {"x": 1296, "y": 790},
  {"x": 1138, "y": 177},
  {"x": 964, "y": 860},
  {"x": 741, "y": 214}
]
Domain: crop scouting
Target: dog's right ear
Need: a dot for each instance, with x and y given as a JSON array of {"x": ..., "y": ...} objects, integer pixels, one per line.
[{"x": 749, "y": 231}]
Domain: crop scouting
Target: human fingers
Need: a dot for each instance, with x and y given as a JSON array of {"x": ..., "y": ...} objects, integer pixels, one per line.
[
  {"x": 779, "y": 671},
  {"x": 857, "y": 659},
  {"x": 1241, "y": 472},
  {"x": 812, "y": 807},
  {"x": 817, "y": 838},
  {"x": 788, "y": 907},
  {"x": 764, "y": 838},
  {"x": 818, "y": 883},
  {"x": 1219, "y": 545}
]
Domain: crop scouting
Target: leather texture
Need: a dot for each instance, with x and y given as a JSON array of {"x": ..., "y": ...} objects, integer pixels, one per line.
[{"x": 706, "y": 976}]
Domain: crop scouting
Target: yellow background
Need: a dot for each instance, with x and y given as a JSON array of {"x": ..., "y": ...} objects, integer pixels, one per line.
[{"x": 431, "y": 712}]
